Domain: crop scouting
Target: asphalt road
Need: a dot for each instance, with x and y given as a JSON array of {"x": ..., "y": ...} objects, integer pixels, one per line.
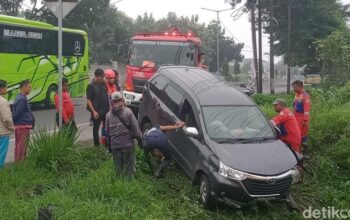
[{"x": 280, "y": 86}]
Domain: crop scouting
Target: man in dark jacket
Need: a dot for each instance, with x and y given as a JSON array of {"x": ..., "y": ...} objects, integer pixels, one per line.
[
  {"x": 122, "y": 128},
  {"x": 22, "y": 119},
  {"x": 97, "y": 103},
  {"x": 155, "y": 138}
]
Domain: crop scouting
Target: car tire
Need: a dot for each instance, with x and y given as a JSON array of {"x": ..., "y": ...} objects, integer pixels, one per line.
[
  {"x": 50, "y": 94},
  {"x": 205, "y": 196},
  {"x": 145, "y": 127}
]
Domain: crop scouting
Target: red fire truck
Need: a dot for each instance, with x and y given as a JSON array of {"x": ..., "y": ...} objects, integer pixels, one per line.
[{"x": 150, "y": 50}]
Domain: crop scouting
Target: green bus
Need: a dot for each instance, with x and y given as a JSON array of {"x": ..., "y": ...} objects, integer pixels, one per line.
[{"x": 28, "y": 51}]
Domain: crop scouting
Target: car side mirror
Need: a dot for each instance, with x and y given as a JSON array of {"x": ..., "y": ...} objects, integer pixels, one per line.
[{"x": 191, "y": 131}]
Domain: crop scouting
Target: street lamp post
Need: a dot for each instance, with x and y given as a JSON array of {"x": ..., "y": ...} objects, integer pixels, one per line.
[{"x": 217, "y": 35}]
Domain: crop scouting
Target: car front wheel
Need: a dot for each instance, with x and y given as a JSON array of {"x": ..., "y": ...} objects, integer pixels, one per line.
[{"x": 205, "y": 192}]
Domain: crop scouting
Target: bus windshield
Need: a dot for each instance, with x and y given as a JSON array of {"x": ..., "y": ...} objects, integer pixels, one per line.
[{"x": 162, "y": 53}]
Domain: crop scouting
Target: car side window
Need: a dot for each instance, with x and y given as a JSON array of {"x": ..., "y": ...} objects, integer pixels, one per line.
[
  {"x": 158, "y": 84},
  {"x": 173, "y": 98},
  {"x": 187, "y": 115}
]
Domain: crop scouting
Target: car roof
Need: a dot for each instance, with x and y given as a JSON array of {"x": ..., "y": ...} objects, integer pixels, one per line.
[{"x": 207, "y": 87}]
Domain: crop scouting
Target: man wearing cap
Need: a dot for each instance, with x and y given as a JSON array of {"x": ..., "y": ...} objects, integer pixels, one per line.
[
  {"x": 121, "y": 129},
  {"x": 286, "y": 122}
]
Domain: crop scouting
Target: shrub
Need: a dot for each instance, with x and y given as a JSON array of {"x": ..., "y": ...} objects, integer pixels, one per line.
[
  {"x": 341, "y": 153},
  {"x": 329, "y": 126},
  {"x": 54, "y": 150},
  {"x": 261, "y": 99}
]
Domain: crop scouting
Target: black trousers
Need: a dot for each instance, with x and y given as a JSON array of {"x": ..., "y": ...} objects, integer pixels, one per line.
[
  {"x": 164, "y": 148},
  {"x": 96, "y": 129}
]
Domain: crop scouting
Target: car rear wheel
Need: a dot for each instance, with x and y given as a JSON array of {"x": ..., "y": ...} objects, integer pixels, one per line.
[
  {"x": 146, "y": 127},
  {"x": 205, "y": 196}
]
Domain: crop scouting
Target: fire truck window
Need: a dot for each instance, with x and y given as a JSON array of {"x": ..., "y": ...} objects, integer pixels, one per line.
[{"x": 161, "y": 53}]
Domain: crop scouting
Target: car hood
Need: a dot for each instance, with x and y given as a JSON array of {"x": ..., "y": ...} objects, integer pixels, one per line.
[{"x": 267, "y": 158}]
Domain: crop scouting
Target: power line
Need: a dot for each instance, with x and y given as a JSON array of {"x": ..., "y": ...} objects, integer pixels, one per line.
[
  {"x": 239, "y": 41},
  {"x": 237, "y": 14},
  {"x": 230, "y": 32}
]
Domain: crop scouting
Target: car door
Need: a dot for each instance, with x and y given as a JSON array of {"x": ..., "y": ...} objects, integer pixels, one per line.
[
  {"x": 187, "y": 148},
  {"x": 156, "y": 104}
]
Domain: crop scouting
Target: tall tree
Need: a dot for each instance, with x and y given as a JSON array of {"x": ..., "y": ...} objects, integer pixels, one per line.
[
  {"x": 10, "y": 7},
  {"x": 106, "y": 27},
  {"x": 229, "y": 49},
  {"x": 311, "y": 20}
]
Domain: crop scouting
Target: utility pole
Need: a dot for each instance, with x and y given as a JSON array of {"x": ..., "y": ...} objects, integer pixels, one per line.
[
  {"x": 260, "y": 47},
  {"x": 60, "y": 101},
  {"x": 60, "y": 8},
  {"x": 217, "y": 43},
  {"x": 255, "y": 53},
  {"x": 289, "y": 40},
  {"x": 217, "y": 35},
  {"x": 272, "y": 60}
]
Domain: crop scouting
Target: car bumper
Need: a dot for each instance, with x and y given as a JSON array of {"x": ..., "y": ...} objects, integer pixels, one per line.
[
  {"x": 235, "y": 193},
  {"x": 132, "y": 99}
]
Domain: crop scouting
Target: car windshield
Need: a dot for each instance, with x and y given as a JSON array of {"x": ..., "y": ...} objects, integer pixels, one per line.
[
  {"x": 236, "y": 123},
  {"x": 162, "y": 53}
]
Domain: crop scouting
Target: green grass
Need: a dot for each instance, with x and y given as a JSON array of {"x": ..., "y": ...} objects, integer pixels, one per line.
[{"x": 98, "y": 194}]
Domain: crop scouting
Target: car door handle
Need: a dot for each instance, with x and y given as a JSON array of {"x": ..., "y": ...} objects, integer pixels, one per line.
[{"x": 157, "y": 106}]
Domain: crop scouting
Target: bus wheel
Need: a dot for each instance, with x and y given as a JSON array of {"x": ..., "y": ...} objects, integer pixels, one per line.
[{"x": 50, "y": 96}]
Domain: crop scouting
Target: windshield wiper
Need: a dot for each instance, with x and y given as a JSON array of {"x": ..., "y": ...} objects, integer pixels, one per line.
[
  {"x": 257, "y": 139},
  {"x": 242, "y": 140},
  {"x": 230, "y": 140}
]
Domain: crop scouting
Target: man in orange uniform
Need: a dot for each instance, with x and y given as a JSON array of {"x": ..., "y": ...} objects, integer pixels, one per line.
[
  {"x": 302, "y": 107},
  {"x": 286, "y": 122},
  {"x": 67, "y": 106}
]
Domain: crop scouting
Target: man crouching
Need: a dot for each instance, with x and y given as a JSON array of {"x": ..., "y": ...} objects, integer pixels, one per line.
[{"x": 122, "y": 128}]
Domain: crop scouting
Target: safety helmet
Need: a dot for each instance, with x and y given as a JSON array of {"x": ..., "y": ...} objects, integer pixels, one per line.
[{"x": 109, "y": 73}]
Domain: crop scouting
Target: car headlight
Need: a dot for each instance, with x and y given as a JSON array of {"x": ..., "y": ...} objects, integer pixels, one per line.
[
  {"x": 231, "y": 173},
  {"x": 129, "y": 97},
  {"x": 295, "y": 175}
]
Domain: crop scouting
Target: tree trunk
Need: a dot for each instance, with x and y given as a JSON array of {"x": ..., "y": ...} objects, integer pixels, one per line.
[
  {"x": 260, "y": 47},
  {"x": 289, "y": 38},
  {"x": 272, "y": 60}
]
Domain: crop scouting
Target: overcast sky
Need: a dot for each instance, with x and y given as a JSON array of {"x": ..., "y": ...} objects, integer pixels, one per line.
[{"x": 240, "y": 29}]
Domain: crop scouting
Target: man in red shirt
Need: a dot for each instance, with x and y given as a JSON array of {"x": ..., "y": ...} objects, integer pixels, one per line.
[
  {"x": 68, "y": 106},
  {"x": 302, "y": 107},
  {"x": 286, "y": 122}
]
